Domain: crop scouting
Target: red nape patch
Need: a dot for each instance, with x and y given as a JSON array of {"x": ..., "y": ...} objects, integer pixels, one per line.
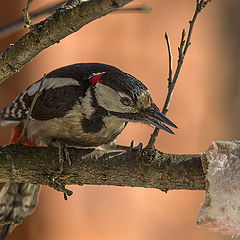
[
  {"x": 96, "y": 78},
  {"x": 16, "y": 134}
]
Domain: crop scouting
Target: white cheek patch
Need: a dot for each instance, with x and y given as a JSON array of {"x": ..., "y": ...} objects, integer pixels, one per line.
[
  {"x": 51, "y": 83},
  {"x": 110, "y": 99}
]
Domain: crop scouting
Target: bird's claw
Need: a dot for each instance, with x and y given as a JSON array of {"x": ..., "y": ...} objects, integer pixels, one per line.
[
  {"x": 132, "y": 144},
  {"x": 138, "y": 148},
  {"x": 67, "y": 155},
  {"x": 63, "y": 153},
  {"x": 114, "y": 146}
]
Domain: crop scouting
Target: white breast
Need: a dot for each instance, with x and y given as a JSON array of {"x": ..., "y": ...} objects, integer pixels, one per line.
[{"x": 69, "y": 129}]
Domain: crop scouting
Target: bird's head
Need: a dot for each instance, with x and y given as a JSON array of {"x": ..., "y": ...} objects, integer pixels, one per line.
[{"x": 124, "y": 96}]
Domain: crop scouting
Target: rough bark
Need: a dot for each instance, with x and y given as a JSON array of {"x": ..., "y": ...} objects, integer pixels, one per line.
[
  {"x": 153, "y": 169},
  {"x": 62, "y": 23}
]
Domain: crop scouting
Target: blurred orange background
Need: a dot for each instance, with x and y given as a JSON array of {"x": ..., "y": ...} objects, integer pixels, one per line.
[{"x": 204, "y": 106}]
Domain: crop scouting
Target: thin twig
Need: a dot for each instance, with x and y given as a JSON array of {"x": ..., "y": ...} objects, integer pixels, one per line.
[
  {"x": 182, "y": 50},
  {"x": 26, "y": 15},
  {"x": 181, "y": 56},
  {"x": 17, "y": 24},
  {"x": 154, "y": 135},
  {"x": 37, "y": 94},
  {"x": 170, "y": 80},
  {"x": 143, "y": 9}
]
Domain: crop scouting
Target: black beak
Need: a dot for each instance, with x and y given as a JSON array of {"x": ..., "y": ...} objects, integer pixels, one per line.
[{"x": 153, "y": 116}]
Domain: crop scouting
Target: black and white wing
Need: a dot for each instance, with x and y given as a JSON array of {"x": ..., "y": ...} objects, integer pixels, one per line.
[{"x": 60, "y": 90}]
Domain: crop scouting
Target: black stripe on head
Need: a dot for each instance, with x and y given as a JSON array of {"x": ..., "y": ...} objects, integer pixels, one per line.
[
  {"x": 124, "y": 82},
  {"x": 130, "y": 117},
  {"x": 81, "y": 71}
]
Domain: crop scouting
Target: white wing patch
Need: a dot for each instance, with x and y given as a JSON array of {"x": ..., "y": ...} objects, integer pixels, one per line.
[{"x": 51, "y": 83}]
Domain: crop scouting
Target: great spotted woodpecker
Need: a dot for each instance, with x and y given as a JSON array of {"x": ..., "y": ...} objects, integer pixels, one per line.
[{"x": 86, "y": 105}]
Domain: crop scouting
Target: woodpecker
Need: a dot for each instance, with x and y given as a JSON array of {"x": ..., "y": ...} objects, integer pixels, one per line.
[{"x": 84, "y": 105}]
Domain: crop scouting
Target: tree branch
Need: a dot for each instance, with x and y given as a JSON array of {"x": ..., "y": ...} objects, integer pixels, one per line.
[
  {"x": 39, "y": 165},
  {"x": 62, "y": 23},
  {"x": 19, "y": 23}
]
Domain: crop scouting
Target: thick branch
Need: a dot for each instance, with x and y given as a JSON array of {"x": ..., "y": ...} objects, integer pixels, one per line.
[
  {"x": 154, "y": 169},
  {"x": 62, "y": 23}
]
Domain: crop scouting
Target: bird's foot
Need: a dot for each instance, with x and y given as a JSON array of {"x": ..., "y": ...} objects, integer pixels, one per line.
[
  {"x": 114, "y": 146},
  {"x": 138, "y": 148},
  {"x": 63, "y": 153}
]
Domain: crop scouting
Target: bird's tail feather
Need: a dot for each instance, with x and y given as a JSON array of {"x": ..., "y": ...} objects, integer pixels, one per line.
[{"x": 17, "y": 200}]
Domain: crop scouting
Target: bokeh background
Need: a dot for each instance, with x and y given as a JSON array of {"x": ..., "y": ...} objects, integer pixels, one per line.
[{"x": 205, "y": 106}]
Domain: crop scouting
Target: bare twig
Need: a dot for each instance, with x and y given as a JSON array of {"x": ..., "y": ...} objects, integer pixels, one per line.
[
  {"x": 143, "y": 9},
  {"x": 154, "y": 135},
  {"x": 27, "y": 19},
  {"x": 17, "y": 24},
  {"x": 199, "y": 6},
  {"x": 37, "y": 94},
  {"x": 182, "y": 50},
  {"x": 170, "y": 58}
]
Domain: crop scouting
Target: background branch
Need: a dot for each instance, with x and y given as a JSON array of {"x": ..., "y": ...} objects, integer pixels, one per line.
[
  {"x": 154, "y": 169},
  {"x": 19, "y": 23},
  {"x": 62, "y": 23}
]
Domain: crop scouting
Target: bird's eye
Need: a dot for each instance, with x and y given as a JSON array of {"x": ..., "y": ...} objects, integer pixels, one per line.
[{"x": 126, "y": 101}]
